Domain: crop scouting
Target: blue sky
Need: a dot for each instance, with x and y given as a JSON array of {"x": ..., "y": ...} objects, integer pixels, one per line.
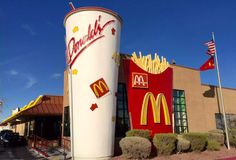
[{"x": 32, "y": 47}]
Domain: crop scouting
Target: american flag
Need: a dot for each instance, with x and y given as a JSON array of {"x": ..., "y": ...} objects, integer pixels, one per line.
[{"x": 211, "y": 47}]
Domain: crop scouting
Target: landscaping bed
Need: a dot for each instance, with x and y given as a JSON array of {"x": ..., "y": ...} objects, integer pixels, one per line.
[
  {"x": 223, "y": 153},
  {"x": 138, "y": 144}
]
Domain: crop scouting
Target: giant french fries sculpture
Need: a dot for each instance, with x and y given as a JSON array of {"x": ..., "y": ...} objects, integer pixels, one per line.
[
  {"x": 149, "y": 88},
  {"x": 154, "y": 66}
]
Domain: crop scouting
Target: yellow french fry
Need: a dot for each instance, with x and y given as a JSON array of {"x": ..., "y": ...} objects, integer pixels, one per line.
[{"x": 154, "y": 66}]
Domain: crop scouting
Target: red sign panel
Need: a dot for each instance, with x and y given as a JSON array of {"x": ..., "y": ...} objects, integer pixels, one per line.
[
  {"x": 150, "y": 108},
  {"x": 99, "y": 88},
  {"x": 139, "y": 80}
]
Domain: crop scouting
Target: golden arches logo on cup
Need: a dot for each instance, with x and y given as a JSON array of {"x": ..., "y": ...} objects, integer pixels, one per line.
[
  {"x": 99, "y": 88},
  {"x": 139, "y": 80},
  {"x": 156, "y": 108}
]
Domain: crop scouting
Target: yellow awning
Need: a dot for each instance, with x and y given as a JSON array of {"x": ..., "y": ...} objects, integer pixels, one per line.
[{"x": 30, "y": 105}]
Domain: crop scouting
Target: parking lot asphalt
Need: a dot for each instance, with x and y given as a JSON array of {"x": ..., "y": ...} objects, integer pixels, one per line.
[{"x": 17, "y": 153}]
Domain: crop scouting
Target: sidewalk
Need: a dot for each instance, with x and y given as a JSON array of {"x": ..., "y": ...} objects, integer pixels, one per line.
[
  {"x": 223, "y": 154},
  {"x": 228, "y": 158}
]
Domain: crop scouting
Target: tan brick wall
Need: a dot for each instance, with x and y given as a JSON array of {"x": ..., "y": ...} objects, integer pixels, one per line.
[
  {"x": 189, "y": 80},
  {"x": 211, "y": 103},
  {"x": 20, "y": 128},
  {"x": 65, "y": 98},
  {"x": 66, "y": 90},
  {"x": 202, "y": 101}
]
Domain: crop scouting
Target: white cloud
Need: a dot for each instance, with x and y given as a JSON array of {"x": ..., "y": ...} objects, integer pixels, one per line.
[
  {"x": 17, "y": 59},
  {"x": 13, "y": 72},
  {"x": 30, "y": 81},
  {"x": 56, "y": 75},
  {"x": 27, "y": 79},
  {"x": 29, "y": 29}
]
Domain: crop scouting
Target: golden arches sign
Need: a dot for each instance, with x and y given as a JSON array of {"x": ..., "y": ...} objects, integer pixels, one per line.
[
  {"x": 156, "y": 108},
  {"x": 99, "y": 88},
  {"x": 32, "y": 103},
  {"x": 139, "y": 80}
]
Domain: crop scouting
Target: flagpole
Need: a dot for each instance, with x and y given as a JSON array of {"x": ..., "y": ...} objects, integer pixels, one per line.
[{"x": 221, "y": 96}]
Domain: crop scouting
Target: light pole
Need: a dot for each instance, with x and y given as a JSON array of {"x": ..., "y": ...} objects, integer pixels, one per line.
[{"x": 1, "y": 106}]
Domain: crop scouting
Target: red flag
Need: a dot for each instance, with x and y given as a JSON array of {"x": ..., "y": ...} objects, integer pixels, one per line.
[
  {"x": 209, "y": 64},
  {"x": 211, "y": 47}
]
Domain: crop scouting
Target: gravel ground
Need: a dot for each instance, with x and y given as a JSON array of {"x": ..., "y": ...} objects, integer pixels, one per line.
[{"x": 223, "y": 154}]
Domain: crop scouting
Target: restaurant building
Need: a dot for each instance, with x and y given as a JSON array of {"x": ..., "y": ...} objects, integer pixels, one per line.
[
  {"x": 42, "y": 117},
  {"x": 195, "y": 106}
]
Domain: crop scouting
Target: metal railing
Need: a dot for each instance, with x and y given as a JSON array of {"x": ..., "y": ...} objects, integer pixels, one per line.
[
  {"x": 65, "y": 143},
  {"x": 43, "y": 145}
]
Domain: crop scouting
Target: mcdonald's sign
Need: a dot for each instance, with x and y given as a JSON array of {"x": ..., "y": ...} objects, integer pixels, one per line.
[
  {"x": 139, "y": 80},
  {"x": 99, "y": 88},
  {"x": 156, "y": 108}
]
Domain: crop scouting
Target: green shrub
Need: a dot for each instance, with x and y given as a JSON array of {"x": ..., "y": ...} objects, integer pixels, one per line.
[
  {"x": 165, "y": 143},
  {"x": 183, "y": 144},
  {"x": 232, "y": 131},
  {"x": 232, "y": 140},
  {"x": 213, "y": 145},
  {"x": 232, "y": 137},
  {"x": 197, "y": 141},
  {"x": 216, "y": 137},
  {"x": 139, "y": 133},
  {"x": 220, "y": 131},
  {"x": 135, "y": 147}
]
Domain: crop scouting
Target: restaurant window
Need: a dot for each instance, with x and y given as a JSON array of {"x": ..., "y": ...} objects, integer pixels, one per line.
[
  {"x": 230, "y": 120},
  {"x": 179, "y": 110},
  {"x": 122, "y": 118},
  {"x": 31, "y": 127},
  {"x": 66, "y": 125}
]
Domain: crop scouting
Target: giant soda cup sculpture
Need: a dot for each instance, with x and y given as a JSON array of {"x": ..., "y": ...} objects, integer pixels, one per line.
[{"x": 92, "y": 53}]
